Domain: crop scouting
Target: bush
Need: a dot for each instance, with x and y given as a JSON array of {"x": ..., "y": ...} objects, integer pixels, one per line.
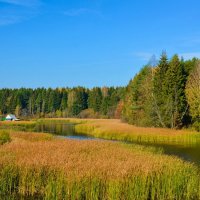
[
  {"x": 4, "y": 137},
  {"x": 88, "y": 113}
]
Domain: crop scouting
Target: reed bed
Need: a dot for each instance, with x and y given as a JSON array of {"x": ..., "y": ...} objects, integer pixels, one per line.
[
  {"x": 116, "y": 130},
  {"x": 13, "y": 123},
  {"x": 32, "y": 165},
  {"x": 18, "y": 125},
  {"x": 4, "y": 137}
]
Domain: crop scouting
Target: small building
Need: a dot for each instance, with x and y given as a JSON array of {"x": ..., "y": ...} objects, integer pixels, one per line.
[{"x": 11, "y": 117}]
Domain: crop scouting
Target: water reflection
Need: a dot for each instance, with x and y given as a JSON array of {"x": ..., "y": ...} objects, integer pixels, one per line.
[
  {"x": 63, "y": 130},
  {"x": 56, "y": 128},
  {"x": 187, "y": 152}
]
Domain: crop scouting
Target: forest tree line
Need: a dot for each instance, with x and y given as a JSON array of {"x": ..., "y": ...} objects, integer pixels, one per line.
[
  {"x": 166, "y": 95},
  {"x": 62, "y": 102}
]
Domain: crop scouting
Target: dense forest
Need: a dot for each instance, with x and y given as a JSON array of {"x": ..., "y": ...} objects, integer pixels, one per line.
[
  {"x": 62, "y": 102},
  {"x": 165, "y": 94}
]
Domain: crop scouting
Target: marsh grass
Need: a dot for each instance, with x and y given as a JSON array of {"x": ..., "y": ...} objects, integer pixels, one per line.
[
  {"x": 4, "y": 137},
  {"x": 48, "y": 184},
  {"x": 116, "y": 130},
  {"x": 30, "y": 136},
  {"x": 18, "y": 125},
  {"x": 34, "y": 166}
]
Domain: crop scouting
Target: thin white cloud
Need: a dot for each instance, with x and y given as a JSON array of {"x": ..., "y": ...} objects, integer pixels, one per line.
[
  {"x": 27, "y": 3},
  {"x": 149, "y": 58},
  {"x": 6, "y": 20},
  {"x": 190, "y": 55},
  {"x": 25, "y": 10},
  {"x": 145, "y": 56},
  {"x": 190, "y": 41},
  {"x": 80, "y": 11}
]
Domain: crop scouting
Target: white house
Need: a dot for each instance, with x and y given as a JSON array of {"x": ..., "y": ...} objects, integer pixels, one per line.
[{"x": 11, "y": 117}]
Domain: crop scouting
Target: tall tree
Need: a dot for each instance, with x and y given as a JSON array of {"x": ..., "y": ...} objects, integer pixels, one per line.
[
  {"x": 138, "y": 106},
  {"x": 159, "y": 95},
  {"x": 95, "y": 99},
  {"x": 175, "y": 93},
  {"x": 193, "y": 93},
  {"x": 63, "y": 105}
]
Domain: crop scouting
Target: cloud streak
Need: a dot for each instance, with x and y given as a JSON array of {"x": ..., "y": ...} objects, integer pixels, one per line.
[
  {"x": 193, "y": 41},
  {"x": 27, "y": 3},
  {"x": 17, "y": 11},
  {"x": 6, "y": 20},
  {"x": 145, "y": 56},
  {"x": 190, "y": 55},
  {"x": 81, "y": 11}
]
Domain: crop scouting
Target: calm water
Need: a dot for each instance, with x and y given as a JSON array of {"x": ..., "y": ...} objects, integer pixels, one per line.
[
  {"x": 63, "y": 130},
  {"x": 190, "y": 153}
]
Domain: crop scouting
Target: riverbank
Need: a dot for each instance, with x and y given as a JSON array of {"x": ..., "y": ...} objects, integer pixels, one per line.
[
  {"x": 45, "y": 167},
  {"x": 113, "y": 129}
]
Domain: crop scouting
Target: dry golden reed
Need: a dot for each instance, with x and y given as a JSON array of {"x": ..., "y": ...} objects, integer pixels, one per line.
[
  {"x": 116, "y": 130},
  {"x": 40, "y": 166}
]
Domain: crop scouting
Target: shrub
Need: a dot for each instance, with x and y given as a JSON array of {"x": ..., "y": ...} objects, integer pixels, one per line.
[{"x": 88, "y": 113}]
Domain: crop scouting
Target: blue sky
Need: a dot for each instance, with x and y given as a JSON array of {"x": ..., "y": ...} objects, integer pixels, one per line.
[{"x": 60, "y": 43}]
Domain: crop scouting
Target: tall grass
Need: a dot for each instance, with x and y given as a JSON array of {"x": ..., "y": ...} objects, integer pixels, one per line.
[
  {"x": 18, "y": 125},
  {"x": 116, "y": 130},
  {"x": 4, "y": 137},
  {"x": 67, "y": 169},
  {"x": 50, "y": 184}
]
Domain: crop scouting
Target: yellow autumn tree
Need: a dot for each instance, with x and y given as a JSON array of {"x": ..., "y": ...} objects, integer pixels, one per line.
[{"x": 193, "y": 92}]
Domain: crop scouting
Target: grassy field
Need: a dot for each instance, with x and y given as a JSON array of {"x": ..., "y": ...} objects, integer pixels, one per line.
[
  {"x": 114, "y": 129},
  {"x": 21, "y": 125},
  {"x": 44, "y": 167}
]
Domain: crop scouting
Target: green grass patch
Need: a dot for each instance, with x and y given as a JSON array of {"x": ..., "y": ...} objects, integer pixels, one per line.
[
  {"x": 4, "y": 137},
  {"x": 48, "y": 184}
]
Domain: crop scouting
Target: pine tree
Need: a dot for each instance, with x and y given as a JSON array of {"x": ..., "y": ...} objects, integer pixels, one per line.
[
  {"x": 63, "y": 105},
  {"x": 38, "y": 103},
  {"x": 175, "y": 93},
  {"x": 95, "y": 99},
  {"x": 159, "y": 93}
]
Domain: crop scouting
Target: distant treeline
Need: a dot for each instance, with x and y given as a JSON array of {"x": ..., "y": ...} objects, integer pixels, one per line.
[
  {"x": 62, "y": 102},
  {"x": 165, "y": 95}
]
